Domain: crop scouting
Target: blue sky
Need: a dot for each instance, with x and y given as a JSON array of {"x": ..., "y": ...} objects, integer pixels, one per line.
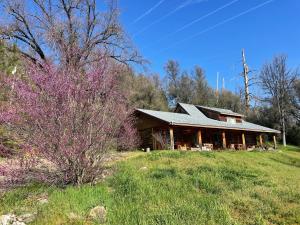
[{"x": 211, "y": 33}]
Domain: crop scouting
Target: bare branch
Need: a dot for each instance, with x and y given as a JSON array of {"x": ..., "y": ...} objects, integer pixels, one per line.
[{"x": 72, "y": 31}]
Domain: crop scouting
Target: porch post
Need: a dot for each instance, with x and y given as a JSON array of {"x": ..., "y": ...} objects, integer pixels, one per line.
[
  {"x": 260, "y": 140},
  {"x": 243, "y": 140},
  {"x": 199, "y": 136},
  {"x": 171, "y": 138},
  {"x": 275, "y": 142},
  {"x": 224, "y": 139}
]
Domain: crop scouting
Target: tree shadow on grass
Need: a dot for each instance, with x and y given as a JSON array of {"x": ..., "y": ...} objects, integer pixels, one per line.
[
  {"x": 287, "y": 160},
  {"x": 291, "y": 148}
]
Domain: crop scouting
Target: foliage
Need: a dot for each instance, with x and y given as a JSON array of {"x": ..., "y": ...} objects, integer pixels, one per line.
[
  {"x": 173, "y": 74},
  {"x": 68, "y": 118},
  {"x": 145, "y": 91},
  {"x": 229, "y": 100},
  {"x": 178, "y": 188},
  {"x": 8, "y": 147},
  {"x": 181, "y": 86},
  {"x": 264, "y": 115},
  {"x": 9, "y": 63},
  {"x": 9, "y": 60},
  {"x": 194, "y": 89},
  {"x": 293, "y": 134},
  {"x": 296, "y": 100},
  {"x": 204, "y": 94}
]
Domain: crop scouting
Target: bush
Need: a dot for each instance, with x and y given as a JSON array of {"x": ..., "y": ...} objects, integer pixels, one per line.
[{"x": 67, "y": 118}]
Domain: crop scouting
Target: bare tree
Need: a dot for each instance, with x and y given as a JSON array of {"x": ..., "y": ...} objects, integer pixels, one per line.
[
  {"x": 250, "y": 79},
  {"x": 278, "y": 81},
  {"x": 68, "y": 31},
  {"x": 246, "y": 82}
]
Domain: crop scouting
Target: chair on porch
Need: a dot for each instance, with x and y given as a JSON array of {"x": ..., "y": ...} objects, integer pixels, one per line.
[
  {"x": 196, "y": 148},
  {"x": 239, "y": 146},
  {"x": 207, "y": 147},
  {"x": 232, "y": 147},
  {"x": 182, "y": 147}
]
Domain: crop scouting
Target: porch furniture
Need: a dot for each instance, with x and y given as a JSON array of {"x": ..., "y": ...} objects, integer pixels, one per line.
[
  {"x": 239, "y": 146},
  {"x": 251, "y": 148},
  {"x": 196, "y": 149},
  {"x": 207, "y": 146},
  {"x": 182, "y": 147},
  {"x": 231, "y": 146}
]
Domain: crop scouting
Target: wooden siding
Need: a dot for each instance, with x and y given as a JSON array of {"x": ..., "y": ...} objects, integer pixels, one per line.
[
  {"x": 218, "y": 116},
  {"x": 210, "y": 114}
]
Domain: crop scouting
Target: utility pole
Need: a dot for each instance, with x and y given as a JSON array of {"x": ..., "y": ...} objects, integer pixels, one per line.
[
  {"x": 223, "y": 84},
  {"x": 217, "y": 92},
  {"x": 246, "y": 82}
]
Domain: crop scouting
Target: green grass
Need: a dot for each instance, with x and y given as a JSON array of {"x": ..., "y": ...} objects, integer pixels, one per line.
[{"x": 167, "y": 187}]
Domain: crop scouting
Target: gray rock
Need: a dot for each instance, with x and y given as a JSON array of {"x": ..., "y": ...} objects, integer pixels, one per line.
[
  {"x": 74, "y": 216},
  {"x": 10, "y": 219},
  {"x": 27, "y": 218},
  {"x": 7, "y": 219},
  {"x": 18, "y": 223},
  {"x": 98, "y": 213}
]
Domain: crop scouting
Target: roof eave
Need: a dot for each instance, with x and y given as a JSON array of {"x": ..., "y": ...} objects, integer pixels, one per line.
[
  {"x": 223, "y": 127},
  {"x": 148, "y": 114}
]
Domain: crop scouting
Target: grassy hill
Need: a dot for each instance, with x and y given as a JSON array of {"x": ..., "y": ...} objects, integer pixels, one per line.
[{"x": 178, "y": 188}]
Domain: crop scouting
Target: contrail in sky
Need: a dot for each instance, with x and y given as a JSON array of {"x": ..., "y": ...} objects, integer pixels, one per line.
[
  {"x": 221, "y": 23},
  {"x": 205, "y": 16},
  {"x": 184, "y": 4},
  {"x": 148, "y": 11},
  {"x": 199, "y": 19}
]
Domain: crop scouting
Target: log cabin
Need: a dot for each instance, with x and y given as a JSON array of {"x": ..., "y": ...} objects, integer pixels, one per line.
[{"x": 195, "y": 127}]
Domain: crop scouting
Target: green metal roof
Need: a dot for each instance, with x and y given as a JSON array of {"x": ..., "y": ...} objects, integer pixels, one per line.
[{"x": 196, "y": 118}]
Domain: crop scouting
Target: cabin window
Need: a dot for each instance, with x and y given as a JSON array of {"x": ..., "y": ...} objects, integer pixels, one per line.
[
  {"x": 231, "y": 120},
  {"x": 238, "y": 120}
]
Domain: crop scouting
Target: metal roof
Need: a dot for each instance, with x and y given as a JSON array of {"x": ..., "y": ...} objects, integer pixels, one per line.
[
  {"x": 221, "y": 111},
  {"x": 196, "y": 118}
]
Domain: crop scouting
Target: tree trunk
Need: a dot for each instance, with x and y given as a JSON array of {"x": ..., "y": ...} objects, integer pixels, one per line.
[
  {"x": 246, "y": 82},
  {"x": 283, "y": 133}
]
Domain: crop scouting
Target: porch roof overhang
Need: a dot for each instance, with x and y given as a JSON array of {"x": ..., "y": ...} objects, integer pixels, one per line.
[{"x": 196, "y": 118}]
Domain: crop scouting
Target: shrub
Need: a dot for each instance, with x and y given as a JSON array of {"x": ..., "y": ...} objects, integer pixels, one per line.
[{"x": 67, "y": 118}]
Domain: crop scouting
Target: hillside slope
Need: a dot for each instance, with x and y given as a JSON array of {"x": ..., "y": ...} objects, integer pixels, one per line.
[{"x": 178, "y": 188}]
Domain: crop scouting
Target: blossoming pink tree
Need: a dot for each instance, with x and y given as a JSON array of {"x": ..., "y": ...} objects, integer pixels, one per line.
[{"x": 68, "y": 120}]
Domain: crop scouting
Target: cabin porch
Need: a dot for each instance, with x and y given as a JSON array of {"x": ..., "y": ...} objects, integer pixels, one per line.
[{"x": 191, "y": 138}]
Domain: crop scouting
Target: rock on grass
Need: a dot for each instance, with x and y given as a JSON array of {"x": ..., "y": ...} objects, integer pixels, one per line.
[{"x": 98, "y": 213}]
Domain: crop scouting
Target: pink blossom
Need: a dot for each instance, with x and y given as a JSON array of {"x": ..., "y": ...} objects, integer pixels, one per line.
[{"x": 68, "y": 118}]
